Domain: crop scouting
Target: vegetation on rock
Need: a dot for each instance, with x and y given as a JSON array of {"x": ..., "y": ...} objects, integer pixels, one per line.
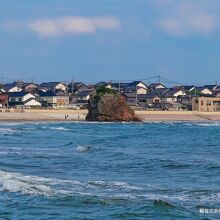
[{"x": 107, "y": 105}]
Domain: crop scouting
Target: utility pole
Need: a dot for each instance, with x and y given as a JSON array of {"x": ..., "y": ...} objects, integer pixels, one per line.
[
  {"x": 159, "y": 78},
  {"x": 136, "y": 96},
  {"x": 119, "y": 87},
  {"x": 2, "y": 80}
]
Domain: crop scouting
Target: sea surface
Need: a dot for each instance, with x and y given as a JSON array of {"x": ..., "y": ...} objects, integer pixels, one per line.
[{"x": 109, "y": 171}]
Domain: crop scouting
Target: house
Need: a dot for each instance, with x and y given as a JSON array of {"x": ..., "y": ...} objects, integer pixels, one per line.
[
  {"x": 83, "y": 95},
  {"x": 153, "y": 99},
  {"x": 186, "y": 100},
  {"x": 29, "y": 87},
  {"x": 53, "y": 86},
  {"x": 216, "y": 93},
  {"x": 118, "y": 86},
  {"x": 202, "y": 90},
  {"x": 79, "y": 87},
  {"x": 81, "y": 98},
  {"x": 11, "y": 87},
  {"x": 99, "y": 84},
  {"x": 137, "y": 87},
  {"x": 217, "y": 88},
  {"x": 206, "y": 104},
  {"x": 184, "y": 88},
  {"x": 143, "y": 100},
  {"x": 171, "y": 95},
  {"x": 51, "y": 99},
  {"x": 131, "y": 99},
  {"x": 3, "y": 100},
  {"x": 153, "y": 86},
  {"x": 22, "y": 99},
  {"x": 175, "y": 106},
  {"x": 211, "y": 87}
]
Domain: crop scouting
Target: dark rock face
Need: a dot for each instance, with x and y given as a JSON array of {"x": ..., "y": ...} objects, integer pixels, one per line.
[{"x": 110, "y": 107}]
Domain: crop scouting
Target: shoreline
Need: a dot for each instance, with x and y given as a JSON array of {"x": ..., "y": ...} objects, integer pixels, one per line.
[{"x": 79, "y": 115}]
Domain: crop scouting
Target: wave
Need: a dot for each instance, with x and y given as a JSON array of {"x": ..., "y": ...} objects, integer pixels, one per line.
[
  {"x": 6, "y": 131},
  {"x": 60, "y": 128},
  {"x": 83, "y": 149},
  {"x": 35, "y": 185},
  {"x": 28, "y": 185},
  {"x": 102, "y": 190},
  {"x": 208, "y": 124}
]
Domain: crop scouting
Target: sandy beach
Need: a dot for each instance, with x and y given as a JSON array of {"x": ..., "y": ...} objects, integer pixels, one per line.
[
  {"x": 79, "y": 115},
  {"x": 44, "y": 115},
  {"x": 177, "y": 116}
]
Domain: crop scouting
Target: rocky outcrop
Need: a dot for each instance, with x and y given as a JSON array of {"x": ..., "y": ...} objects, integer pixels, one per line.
[{"x": 109, "y": 107}]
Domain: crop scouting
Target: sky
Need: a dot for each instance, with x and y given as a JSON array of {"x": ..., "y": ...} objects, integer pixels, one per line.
[{"x": 121, "y": 40}]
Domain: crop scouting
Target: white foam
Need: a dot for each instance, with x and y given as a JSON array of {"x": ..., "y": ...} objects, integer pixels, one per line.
[
  {"x": 208, "y": 124},
  {"x": 35, "y": 185},
  {"x": 30, "y": 185},
  {"x": 7, "y": 131},
  {"x": 83, "y": 149},
  {"x": 60, "y": 128}
]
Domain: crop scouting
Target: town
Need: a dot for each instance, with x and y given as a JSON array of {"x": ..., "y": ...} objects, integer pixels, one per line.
[{"x": 138, "y": 95}]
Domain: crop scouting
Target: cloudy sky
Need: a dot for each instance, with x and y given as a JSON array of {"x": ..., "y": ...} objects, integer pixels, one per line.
[{"x": 92, "y": 40}]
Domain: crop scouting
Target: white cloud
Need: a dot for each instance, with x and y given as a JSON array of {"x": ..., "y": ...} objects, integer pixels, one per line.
[
  {"x": 64, "y": 25},
  {"x": 73, "y": 25},
  {"x": 184, "y": 18}
]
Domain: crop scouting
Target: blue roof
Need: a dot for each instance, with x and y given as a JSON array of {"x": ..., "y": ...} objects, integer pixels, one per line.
[
  {"x": 49, "y": 84},
  {"x": 47, "y": 93},
  {"x": 8, "y": 86},
  {"x": 17, "y": 94},
  {"x": 210, "y": 86},
  {"x": 135, "y": 83}
]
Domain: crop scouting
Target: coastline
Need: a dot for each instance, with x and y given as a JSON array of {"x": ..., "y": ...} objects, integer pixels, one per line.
[
  {"x": 148, "y": 116},
  {"x": 79, "y": 115},
  {"x": 43, "y": 116}
]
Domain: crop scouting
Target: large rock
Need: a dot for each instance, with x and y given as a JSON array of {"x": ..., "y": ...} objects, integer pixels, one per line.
[{"x": 109, "y": 107}]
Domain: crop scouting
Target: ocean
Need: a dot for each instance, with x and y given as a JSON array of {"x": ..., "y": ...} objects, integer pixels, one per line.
[{"x": 110, "y": 171}]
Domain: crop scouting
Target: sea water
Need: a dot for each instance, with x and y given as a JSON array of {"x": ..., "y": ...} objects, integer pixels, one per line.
[{"x": 109, "y": 170}]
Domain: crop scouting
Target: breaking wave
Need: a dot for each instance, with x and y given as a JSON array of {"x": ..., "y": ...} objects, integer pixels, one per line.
[
  {"x": 60, "y": 128},
  {"x": 28, "y": 185},
  {"x": 7, "y": 131},
  {"x": 208, "y": 124},
  {"x": 83, "y": 149},
  {"x": 35, "y": 185}
]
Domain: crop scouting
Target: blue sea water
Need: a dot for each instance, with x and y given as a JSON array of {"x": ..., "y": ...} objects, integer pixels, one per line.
[{"x": 109, "y": 170}]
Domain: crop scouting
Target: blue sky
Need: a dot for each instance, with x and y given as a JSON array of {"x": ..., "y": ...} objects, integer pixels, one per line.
[{"x": 93, "y": 40}]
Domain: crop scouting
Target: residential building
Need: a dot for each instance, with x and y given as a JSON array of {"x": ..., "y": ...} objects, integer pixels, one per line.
[
  {"x": 53, "y": 86},
  {"x": 22, "y": 99},
  {"x": 185, "y": 88},
  {"x": 203, "y": 90},
  {"x": 11, "y": 87},
  {"x": 153, "y": 86},
  {"x": 138, "y": 87},
  {"x": 3, "y": 100},
  {"x": 119, "y": 86},
  {"x": 51, "y": 99},
  {"x": 212, "y": 87},
  {"x": 171, "y": 95},
  {"x": 29, "y": 87},
  {"x": 206, "y": 104}
]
